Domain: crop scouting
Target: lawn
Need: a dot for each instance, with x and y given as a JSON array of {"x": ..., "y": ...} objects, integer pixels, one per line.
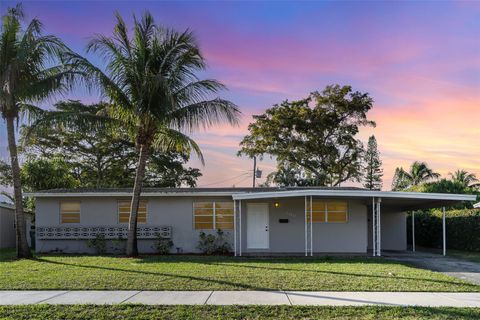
[
  {"x": 219, "y": 273},
  {"x": 467, "y": 255},
  {"x": 232, "y": 312}
]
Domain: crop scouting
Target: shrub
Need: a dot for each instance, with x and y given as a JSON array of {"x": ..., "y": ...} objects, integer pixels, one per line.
[
  {"x": 462, "y": 229},
  {"x": 163, "y": 245},
  {"x": 98, "y": 243},
  {"x": 213, "y": 244}
]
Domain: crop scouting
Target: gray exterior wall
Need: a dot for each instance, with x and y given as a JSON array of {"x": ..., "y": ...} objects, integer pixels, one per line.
[
  {"x": 349, "y": 237},
  {"x": 353, "y": 236},
  {"x": 7, "y": 230},
  {"x": 176, "y": 212},
  {"x": 394, "y": 230}
]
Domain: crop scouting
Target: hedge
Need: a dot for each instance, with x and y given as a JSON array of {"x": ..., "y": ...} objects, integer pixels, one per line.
[{"x": 462, "y": 226}]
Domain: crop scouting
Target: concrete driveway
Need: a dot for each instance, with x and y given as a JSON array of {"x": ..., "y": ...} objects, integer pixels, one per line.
[{"x": 461, "y": 269}]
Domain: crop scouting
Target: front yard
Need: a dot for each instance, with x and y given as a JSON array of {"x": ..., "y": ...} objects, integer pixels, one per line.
[
  {"x": 219, "y": 273},
  {"x": 231, "y": 312}
]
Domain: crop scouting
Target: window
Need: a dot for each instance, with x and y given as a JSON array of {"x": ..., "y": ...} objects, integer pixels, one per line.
[
  {"x": 328, "y": 211},
  {"x": 213, "y": 215},
  {"x": 124, "y": 211},
  {"x": 70, "y": 212}
]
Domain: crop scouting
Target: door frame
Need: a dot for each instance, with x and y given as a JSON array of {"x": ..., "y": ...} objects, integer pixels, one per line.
[{"x": 267, "y": 205}]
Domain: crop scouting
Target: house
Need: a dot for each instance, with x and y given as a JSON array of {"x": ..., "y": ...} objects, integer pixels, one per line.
[
  {"x": 297, "y": 220},
  {"x": 7, "y": 226}
]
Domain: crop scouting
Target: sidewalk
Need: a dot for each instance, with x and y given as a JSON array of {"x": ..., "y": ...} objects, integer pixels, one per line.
[{"x": 321, "y": 298}]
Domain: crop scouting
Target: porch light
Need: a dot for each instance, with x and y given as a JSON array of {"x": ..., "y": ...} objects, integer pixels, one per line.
[{"x": 276, "y": 204}]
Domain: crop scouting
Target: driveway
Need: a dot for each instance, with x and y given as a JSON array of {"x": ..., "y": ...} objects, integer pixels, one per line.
[{"x": 461, "y": 269}]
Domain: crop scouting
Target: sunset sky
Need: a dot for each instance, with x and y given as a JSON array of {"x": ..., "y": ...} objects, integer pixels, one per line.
[{"x": 420, "y": 61}]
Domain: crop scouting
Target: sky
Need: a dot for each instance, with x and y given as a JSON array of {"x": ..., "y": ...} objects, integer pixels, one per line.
[{"x": 419, "y": 61}]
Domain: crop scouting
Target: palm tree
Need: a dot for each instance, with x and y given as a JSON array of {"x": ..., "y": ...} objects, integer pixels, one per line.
[
  {"x": 154, "y": 93},
  {"x": 464, "y": 178},
  {"x": 25, "y": 79},
  {"x": 418, "y": 173}
]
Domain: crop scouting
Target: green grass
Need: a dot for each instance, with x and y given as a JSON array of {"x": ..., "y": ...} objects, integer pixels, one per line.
[
  {"x": 232, "y": 312},
  {"x": 219, "y": 273},
  {"x": 467, "y": 255}
]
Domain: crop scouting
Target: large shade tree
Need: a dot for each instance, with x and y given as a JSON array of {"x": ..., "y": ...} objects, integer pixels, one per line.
[
  {"x": 30, "y": 71},
  {"x": 418, "y": 173},
  {"x": 153, "y": 92},
  {"x": 315, "y": 137}
]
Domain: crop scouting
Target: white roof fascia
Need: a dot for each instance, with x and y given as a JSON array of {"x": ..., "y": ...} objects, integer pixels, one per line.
[
  {"x": 269, "y": 194},
  {"x": 126, "y": 194},
  {"x": 355, "y": 194}
]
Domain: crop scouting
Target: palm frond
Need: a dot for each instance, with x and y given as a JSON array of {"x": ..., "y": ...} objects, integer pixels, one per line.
[
  {"x": 168, "y": 140},
  {"x": 204, "y": 114}
]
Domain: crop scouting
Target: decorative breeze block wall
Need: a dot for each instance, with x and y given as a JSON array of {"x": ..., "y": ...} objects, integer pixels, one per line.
[{"x": 110, "y": 232}]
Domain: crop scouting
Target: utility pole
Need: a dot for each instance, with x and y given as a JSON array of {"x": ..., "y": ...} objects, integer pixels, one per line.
[{"x": 254, "y": 169}]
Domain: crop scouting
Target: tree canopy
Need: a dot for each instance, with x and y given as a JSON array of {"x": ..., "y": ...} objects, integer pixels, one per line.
[
  {"x": 418, "y": 173},
  {"x": 103, "y": 157},
  {"x": 315, "y": 136}
]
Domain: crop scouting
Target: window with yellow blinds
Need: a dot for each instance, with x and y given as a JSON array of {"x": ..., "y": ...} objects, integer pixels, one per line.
[
  {"x": 124, "y": 211},
  {"x": 224, "y": 215},
  {"x": 213, "y": 215},
  {"x": 328, "y": 211},
  {"x": 70, "y": 212}
]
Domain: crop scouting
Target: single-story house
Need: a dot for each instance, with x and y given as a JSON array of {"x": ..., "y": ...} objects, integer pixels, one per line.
[{"x": 256, "y": 221}]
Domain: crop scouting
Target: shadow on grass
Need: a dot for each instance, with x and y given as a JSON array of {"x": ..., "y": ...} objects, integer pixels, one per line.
[
  {"x": 234, "y": 263},
  {"x": 462, "y": 284},
  {"x": 222, "y": 282}
]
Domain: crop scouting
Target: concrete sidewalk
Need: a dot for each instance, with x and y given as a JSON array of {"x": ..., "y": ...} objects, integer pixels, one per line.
[{"x": 320, "y": 298}]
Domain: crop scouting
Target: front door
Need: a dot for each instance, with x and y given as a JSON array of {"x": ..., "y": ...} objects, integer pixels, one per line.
[{"x": 257, "y": 226}]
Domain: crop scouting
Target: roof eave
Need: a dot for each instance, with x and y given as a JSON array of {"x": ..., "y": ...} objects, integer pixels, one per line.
[
  {"x": 125, "y": 194},
  {"x": 356, "y": 194}
]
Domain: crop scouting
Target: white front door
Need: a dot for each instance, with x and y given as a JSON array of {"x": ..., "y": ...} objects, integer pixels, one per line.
[{"x": 257, "y": 226}]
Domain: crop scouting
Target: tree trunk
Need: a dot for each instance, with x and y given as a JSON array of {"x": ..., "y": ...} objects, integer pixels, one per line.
[
  {"x": 23, "y": 251},
  {"x": 132, "y": 248}
]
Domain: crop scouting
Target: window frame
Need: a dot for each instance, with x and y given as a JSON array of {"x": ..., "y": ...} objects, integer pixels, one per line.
[
  {"x": 79, "y": 212},
  {"x": 214, "y": 215},
  {"x": 146, "y": 212},
  {"x": 326, "y": 211}
]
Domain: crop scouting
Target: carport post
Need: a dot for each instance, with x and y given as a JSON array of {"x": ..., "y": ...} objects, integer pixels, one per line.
[
  {"x": 311, "y": 227},
  {"x": 444, "y": 234},
  {"x": 379, "y": 222},
  {"x": 235, "y": 228},
  {"x": 374, "y": 236},
  {"x": 240, "y": 226},
  {"x": 306, "y": 238},
  {"x": 413, "y": 231}
]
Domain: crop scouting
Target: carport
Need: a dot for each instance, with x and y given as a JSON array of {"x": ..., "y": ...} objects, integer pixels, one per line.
[{"x": 377, "y": 202}]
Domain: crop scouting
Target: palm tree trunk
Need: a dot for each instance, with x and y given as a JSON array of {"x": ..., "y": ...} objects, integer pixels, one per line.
[
  {"x": 132, "y": 248},
  {"x": 23, "y": 251}
]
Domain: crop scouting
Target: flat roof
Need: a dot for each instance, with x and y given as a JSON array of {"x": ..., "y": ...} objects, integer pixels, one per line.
[
  {"x": 169, "y": 191},
  {"x": 395, "y": 199}
]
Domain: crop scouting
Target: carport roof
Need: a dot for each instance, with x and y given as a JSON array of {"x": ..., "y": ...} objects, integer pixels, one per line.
[{"x": 398, "y": 200}]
